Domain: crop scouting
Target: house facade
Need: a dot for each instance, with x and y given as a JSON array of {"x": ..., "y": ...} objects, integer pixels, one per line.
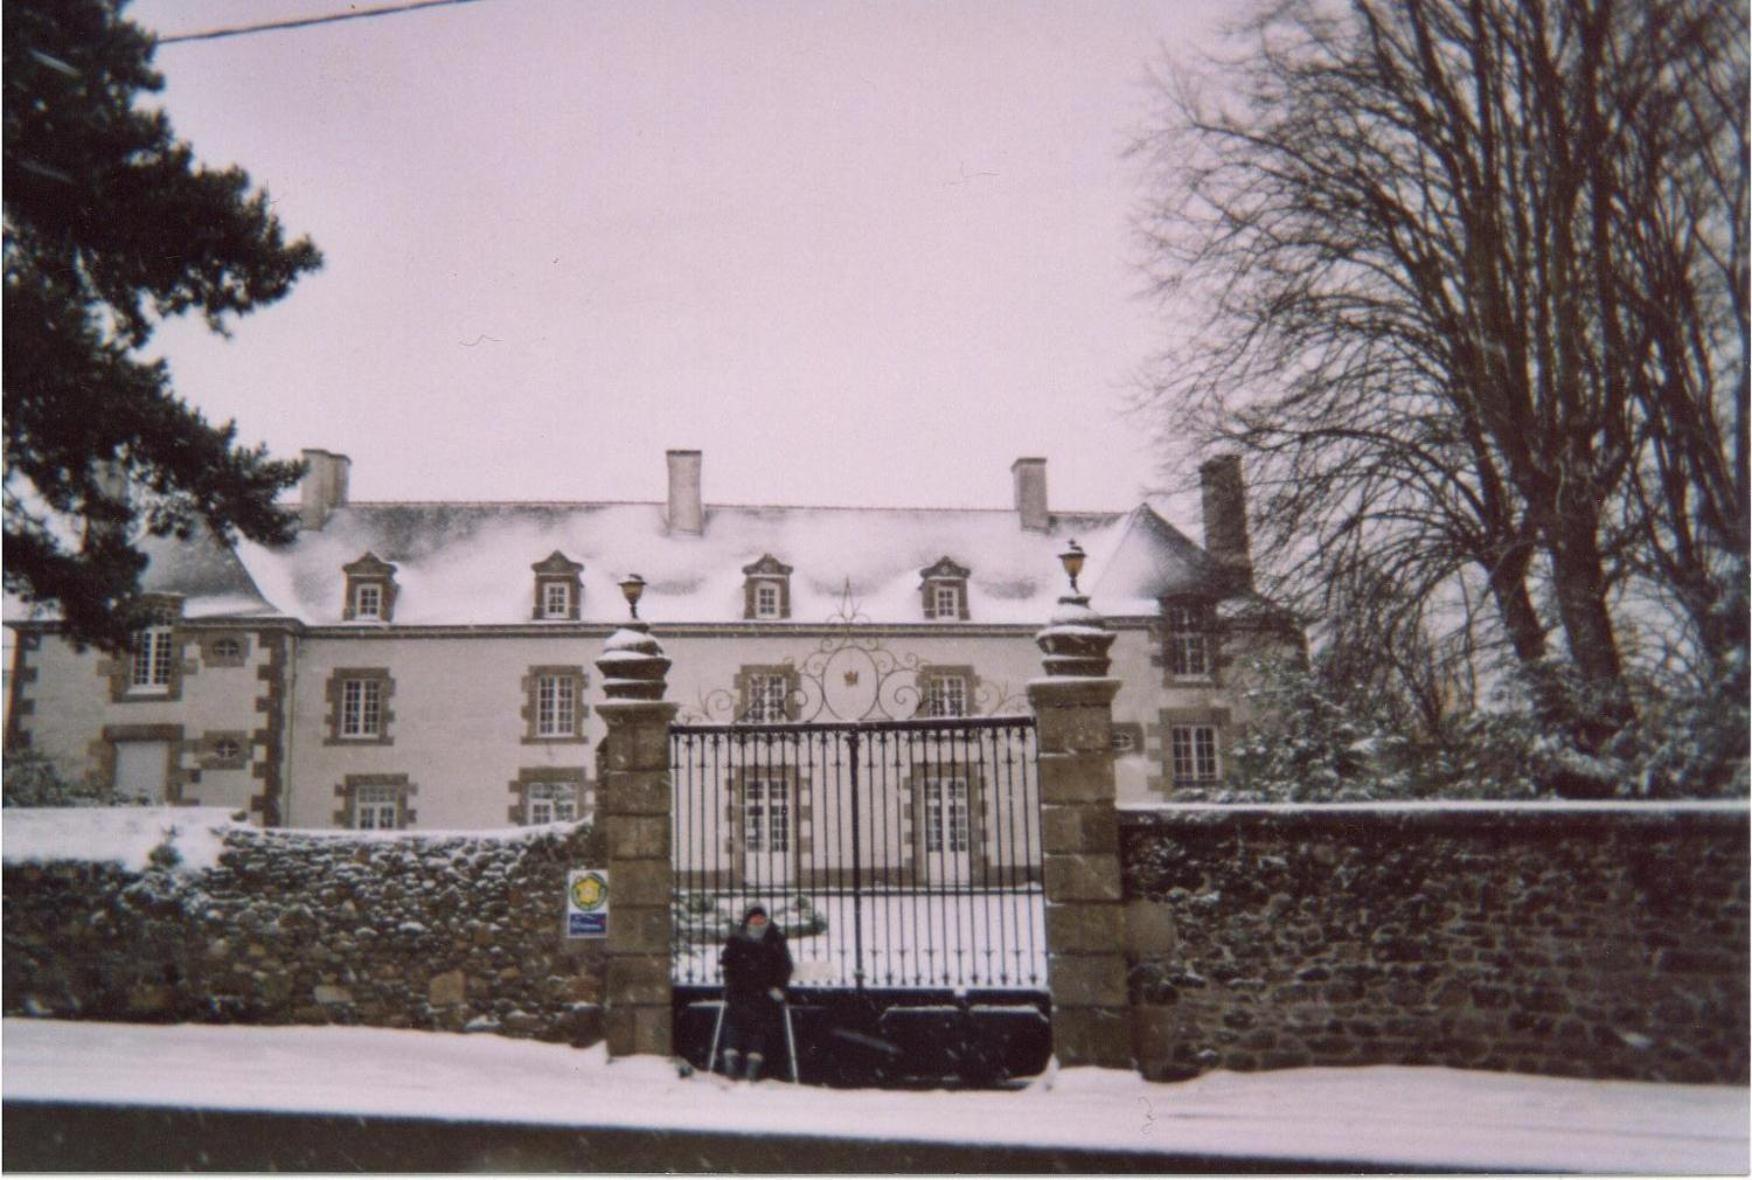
[{"x": 432, "y": 665}]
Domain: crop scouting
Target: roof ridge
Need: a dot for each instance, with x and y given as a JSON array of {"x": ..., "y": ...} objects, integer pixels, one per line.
[{"x": 659, "y": 503}]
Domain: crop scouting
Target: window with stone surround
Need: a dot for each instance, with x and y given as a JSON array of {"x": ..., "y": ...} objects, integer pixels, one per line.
[
  {"x": 549, "y": 803},
  {"x": 225, "y": 750},
  {"x": 766, "y": 693},
  {"x": 945, "y": 694},
  {"x": 946, "y": 828},
  {"x": 946, "y": 823},
  {"x": 556, "y": 601},
  {"x": 371, "y": 590},
  {"x": 766, "y": 589},
  {"x": 766, "y": 813},
  {"x": 556, "y": 706},
  {"x": 1187, "y": 636},
  {"x": 559, "y": 588},
  {"x": 946, "y": 690},
  {"x": 224, "y": 650},
  {"x": 944, "y": 590},
  {"x": 550, "y": 794},
  {"x": 769, "y": 825},
  {"x": 375, "y": 802},
  {"x": 553, "y": 709},
  {"x": 377, "y": 806},
  {"x": 1193, "y": 755},
  {"x": 359, "y": 707},
  {"x": 151, "y": 667},
  {"x": 153, "y": 653}
]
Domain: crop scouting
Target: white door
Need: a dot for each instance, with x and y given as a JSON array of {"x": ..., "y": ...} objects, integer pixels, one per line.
[
  {"x": 948, "y": 841},
  {"x": 767, "y": 835},
  {"x": 140, "y": 769}
]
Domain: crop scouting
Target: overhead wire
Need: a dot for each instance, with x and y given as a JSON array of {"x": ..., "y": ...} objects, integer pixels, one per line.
[{"x": 306, "y": 22}]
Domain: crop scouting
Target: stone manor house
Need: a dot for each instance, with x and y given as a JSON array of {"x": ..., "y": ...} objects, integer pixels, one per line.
[{"x": 408, "y": 665}]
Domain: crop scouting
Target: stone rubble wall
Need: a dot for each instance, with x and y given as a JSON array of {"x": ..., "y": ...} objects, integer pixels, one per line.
[
  {"x": 1604, "y": 943},
  {"x": 460, "y": 932}
]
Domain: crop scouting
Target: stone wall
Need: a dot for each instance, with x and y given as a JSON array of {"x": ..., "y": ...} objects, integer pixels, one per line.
[
  {"x": 1595, "y": 941},
  {"x": 399, "y": 930}
]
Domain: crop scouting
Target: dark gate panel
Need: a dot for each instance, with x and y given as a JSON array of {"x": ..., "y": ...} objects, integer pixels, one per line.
[{"x": 894, "y": 854}]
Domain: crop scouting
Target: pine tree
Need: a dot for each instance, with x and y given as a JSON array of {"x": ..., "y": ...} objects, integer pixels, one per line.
[{"x": 110, "y": 227}]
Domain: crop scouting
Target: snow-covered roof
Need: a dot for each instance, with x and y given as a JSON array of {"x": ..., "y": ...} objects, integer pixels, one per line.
[{"x": 469, "y": 564}]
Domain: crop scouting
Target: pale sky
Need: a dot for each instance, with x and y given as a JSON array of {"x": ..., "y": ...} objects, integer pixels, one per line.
[{"x": 857, "y": 253}]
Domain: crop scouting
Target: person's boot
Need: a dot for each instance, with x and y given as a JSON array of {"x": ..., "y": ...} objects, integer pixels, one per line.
[
  {"x": 730, "y": 1064},
  {"x": 755, "y": 1060}
]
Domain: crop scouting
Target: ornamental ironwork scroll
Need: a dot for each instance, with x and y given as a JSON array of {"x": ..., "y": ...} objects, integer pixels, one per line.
[{"x": 851, "y": 676}]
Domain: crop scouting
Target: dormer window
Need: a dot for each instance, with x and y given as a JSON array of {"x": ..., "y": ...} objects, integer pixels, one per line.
[
  {"x": 944, "y": 588},
  {"x": 370, "y": 590},
  {"x": 559, "y": 589},
  {"x": 556, "y": 601},
  {"x": 767, "y": 589},
  {"x": 766, "y": 600}
]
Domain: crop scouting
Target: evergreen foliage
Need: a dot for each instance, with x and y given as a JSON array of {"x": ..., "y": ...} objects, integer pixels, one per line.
[
  {"x": 31, "y": 780},
  {"x": 1319, "y": 737},
  {"x": 110, "y": 227}
]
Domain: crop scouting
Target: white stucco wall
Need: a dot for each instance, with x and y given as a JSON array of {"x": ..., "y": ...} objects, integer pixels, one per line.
[
  {"x": 71, "y": 708},
  {"x": 458, "y": 732}
]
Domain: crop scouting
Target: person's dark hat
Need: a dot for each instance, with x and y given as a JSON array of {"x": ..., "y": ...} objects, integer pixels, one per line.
[{"x": 752, "y": 911}]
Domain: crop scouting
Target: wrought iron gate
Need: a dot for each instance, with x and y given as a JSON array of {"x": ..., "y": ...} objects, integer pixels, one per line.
[{"x": 894, "y": 854}]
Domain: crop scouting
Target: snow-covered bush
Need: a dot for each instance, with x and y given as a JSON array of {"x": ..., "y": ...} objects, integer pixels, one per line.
[
  {"x": 1316, "y": 739},
  {"x": 1690, "y": 743},
  {"x": 32, "y": 780},
  {"x": 704, "y": 918}
]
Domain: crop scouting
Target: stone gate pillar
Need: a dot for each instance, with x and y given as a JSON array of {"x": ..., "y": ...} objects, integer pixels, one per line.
[
  {"x": 634, "y": 802},
  {"x": 1085, "y": 932}
]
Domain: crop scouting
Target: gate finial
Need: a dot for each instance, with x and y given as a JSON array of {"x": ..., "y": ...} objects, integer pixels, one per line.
[
  {"x": 632, "y": 663},
  {"x": 1076, "y": 638}
]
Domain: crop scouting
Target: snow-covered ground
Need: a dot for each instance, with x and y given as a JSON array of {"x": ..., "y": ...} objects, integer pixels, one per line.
[
  {"x": 991, "y": 938},
  {"x": 1389, "y": 1115}
]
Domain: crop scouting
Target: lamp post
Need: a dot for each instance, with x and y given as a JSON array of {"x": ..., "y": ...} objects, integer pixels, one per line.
[
  {"x": 1072, "y": 559},
  {"x": 633, "y": 588}
]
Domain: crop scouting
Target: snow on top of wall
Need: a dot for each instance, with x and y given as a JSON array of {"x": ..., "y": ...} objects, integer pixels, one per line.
[
  {"x": 470, "y": 564},
  {"x": 124, "y": 836}
]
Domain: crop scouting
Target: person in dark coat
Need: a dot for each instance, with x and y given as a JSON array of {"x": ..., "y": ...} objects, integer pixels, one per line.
[{"x": 757, "y": 966}]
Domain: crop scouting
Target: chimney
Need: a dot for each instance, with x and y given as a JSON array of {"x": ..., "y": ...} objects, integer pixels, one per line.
[
  {"x": 1030, "y": 478},
  {"x": 1225, "y": 521},
  {"x": 324, "y": 487},
  {"x": 686, "y": 514}
]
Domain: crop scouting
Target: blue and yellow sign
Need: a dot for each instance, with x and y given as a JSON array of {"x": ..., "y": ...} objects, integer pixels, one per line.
[{"x": 587, "y": 903}]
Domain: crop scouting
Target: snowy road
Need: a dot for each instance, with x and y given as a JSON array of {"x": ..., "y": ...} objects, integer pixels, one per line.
[{"x": 1413, "y": 1117}]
